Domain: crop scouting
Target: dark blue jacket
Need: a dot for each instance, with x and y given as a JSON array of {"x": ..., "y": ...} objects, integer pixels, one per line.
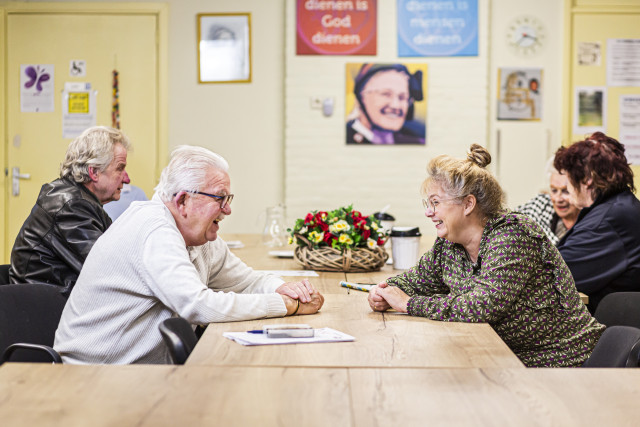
[{"x": 602, "y": 249}]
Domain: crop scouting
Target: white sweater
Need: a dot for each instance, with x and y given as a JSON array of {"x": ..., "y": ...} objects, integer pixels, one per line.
[{"x": 139, "y": 273}]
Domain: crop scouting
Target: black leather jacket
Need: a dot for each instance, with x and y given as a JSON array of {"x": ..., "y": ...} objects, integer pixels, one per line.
[{"x": 56, "y": 238}]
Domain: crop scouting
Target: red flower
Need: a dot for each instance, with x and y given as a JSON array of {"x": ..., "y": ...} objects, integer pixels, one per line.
[
  {"x": 309, "y": 218},
  {"x": 328, "y": 237},
  {"x": 380, "y": 242},
  {"x": 366, "y": 234}
]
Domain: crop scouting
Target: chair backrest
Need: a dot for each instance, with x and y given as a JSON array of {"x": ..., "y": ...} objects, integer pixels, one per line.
[
  {"x": 619, "y": 309},
  {"x": 29, "y": 313},
  {"x": 180, "y": 338},
  {"x": 634, "y": 356},
  {"x": 615, "y": 348},
  {"x": 4, "y": 274}
]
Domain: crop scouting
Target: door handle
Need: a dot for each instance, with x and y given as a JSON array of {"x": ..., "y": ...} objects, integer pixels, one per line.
[{"x": 16, "y": 176}]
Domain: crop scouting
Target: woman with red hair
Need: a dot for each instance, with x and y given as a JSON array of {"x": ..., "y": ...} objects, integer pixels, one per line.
[{"x": 602, "y": 249}]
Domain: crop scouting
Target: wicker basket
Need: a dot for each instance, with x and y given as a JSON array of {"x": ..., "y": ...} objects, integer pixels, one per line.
[{"x": 330, "y": 259}]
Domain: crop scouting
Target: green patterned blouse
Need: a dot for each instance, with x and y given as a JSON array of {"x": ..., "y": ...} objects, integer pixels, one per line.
[{"x": 520, "y": 285}]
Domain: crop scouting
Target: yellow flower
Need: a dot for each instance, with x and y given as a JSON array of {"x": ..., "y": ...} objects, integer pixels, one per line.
[
  {"x": 339, "y": 226},
  {"x": 374, "y": 225},
  {"x": 371, "y": 243},
  {"x": 290, "y": 240},
  {"x": 315, "y": 237},
  {"x": 345, "y": 239}
]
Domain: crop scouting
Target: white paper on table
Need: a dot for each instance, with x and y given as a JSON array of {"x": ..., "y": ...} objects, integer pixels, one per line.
[
  {"x": 290, "y": 273},
  {"x": 235, "y": 244},
  {"x": 320, "y": 335}
]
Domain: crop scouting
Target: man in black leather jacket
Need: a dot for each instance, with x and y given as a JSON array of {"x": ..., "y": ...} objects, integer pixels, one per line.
[{"x": 68, "y": 216}]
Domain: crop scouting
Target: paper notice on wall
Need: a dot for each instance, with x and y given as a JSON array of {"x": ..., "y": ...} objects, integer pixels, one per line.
[
  {"x": 623, "y": 62},
  {"x": 589, "y": 53},
  {"x": 630, "y": 127},
  {"x": 36, "y": 88},
  {"x": 78, "y": 108}
]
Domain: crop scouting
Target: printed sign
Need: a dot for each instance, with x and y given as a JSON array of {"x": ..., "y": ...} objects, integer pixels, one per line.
[
  {"x": 340, "y": 27},
  {"x": 437, "y": 27}
]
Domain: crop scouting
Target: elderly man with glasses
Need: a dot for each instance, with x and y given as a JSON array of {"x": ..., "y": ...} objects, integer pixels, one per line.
[{"x": 163, "y": 258}]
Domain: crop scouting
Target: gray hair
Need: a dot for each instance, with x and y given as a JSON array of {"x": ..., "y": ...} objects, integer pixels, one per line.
[
  {"x": 187, "y": 170},
  {"x": 93, "y": 148}
]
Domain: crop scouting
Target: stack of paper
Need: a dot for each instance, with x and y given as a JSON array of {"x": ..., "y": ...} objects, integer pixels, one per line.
[{"x": 321, "y": 335}]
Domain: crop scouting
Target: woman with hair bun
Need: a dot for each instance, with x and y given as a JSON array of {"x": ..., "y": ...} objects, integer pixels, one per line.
[
  {"x": 602, "y": 249},
  {"x": 491, "y": 265}
]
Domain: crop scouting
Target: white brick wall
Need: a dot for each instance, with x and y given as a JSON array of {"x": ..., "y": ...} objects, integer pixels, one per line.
[{"x": 322, "y": 172}]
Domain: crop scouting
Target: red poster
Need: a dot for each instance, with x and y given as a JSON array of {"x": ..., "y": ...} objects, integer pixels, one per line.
[{"x": 336, "y": 27}]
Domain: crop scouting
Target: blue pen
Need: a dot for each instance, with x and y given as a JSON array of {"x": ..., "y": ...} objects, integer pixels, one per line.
[{"x": 285, "y": 331}]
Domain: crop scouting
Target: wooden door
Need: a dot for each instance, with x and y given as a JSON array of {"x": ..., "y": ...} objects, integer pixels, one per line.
[{"x": 106, "y": 38}]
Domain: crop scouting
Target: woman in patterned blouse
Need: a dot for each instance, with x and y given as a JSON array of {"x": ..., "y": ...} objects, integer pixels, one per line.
[{"x": 491, "y": 265}]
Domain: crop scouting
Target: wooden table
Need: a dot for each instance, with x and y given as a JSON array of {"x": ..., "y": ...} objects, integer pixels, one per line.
[
  {"x": 382, "y": 340},
  {"x": 245, "y": 396}
]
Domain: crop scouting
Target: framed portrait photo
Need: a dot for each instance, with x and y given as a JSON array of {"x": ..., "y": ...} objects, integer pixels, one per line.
[{"x": 224, "y": 47}]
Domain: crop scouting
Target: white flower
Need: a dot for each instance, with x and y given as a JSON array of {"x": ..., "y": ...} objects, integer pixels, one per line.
[
  {"x": 339, "y": 226},
  {"x": 371, "y": 243}
]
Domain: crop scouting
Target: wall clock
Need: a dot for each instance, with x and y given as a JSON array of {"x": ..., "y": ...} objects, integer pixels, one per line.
[{"x": 526, "y": 35}]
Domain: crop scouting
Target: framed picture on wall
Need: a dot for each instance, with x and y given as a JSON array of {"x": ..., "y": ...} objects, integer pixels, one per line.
[
  {"x": 385, "y": 103},
  {"x": 590, "y": 113},
  {"x": 519, "y": 93},
  {"x": 224, "y": 47}
]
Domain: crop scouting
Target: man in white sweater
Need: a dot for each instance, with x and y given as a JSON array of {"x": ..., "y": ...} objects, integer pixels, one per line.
[{"x": 163, "y": 258}]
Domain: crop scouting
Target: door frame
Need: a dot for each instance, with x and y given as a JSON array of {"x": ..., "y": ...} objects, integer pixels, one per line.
[{"x": 161, "y": 13}]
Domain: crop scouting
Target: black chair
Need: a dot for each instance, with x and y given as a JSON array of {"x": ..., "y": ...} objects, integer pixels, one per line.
[
  {"x": 29, "y": 317},
  {"x": 634, "y": 356},
  {"x": 619, "y": 309},
  {"x": 618, "y": 347},
  {"x": 4, "y": 274},
  {"x": 179, "y": 337}
]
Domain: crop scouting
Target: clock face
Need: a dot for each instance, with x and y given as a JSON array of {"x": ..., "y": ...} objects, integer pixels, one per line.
[{"x": 525, "y": 35}]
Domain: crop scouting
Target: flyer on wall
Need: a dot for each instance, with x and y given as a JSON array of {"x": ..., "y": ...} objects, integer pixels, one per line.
[
  {"x": 36, "y": 88},
  {"x": 78, "y": 108},
  {"x": 630, "y": 126}
]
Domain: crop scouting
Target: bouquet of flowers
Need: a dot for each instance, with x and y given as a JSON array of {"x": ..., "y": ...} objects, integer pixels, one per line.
[{"x": 340, "y": 229}]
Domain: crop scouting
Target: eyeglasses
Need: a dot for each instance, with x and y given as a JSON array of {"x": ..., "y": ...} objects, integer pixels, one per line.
[
  {"x": 224, "y": 200},
  {"x": 389, "y": 95},
  {"x": 433, "y": 204}
]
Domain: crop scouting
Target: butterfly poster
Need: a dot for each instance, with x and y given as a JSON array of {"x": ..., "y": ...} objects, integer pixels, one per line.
[{"x": 36, "y": 88}]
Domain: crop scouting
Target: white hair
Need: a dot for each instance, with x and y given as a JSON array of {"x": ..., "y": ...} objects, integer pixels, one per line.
[
  {"x": 187, "y": 170},
  {"x": 93, "y": 148}
]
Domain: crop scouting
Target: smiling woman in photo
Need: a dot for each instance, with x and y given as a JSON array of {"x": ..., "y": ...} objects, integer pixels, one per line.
[
  {"x": 493, "y": 266},
  {"x": 384, "y": 110}
]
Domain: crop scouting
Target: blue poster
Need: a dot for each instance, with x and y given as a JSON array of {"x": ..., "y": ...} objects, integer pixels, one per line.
[{"x": 437, "y": 27}]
